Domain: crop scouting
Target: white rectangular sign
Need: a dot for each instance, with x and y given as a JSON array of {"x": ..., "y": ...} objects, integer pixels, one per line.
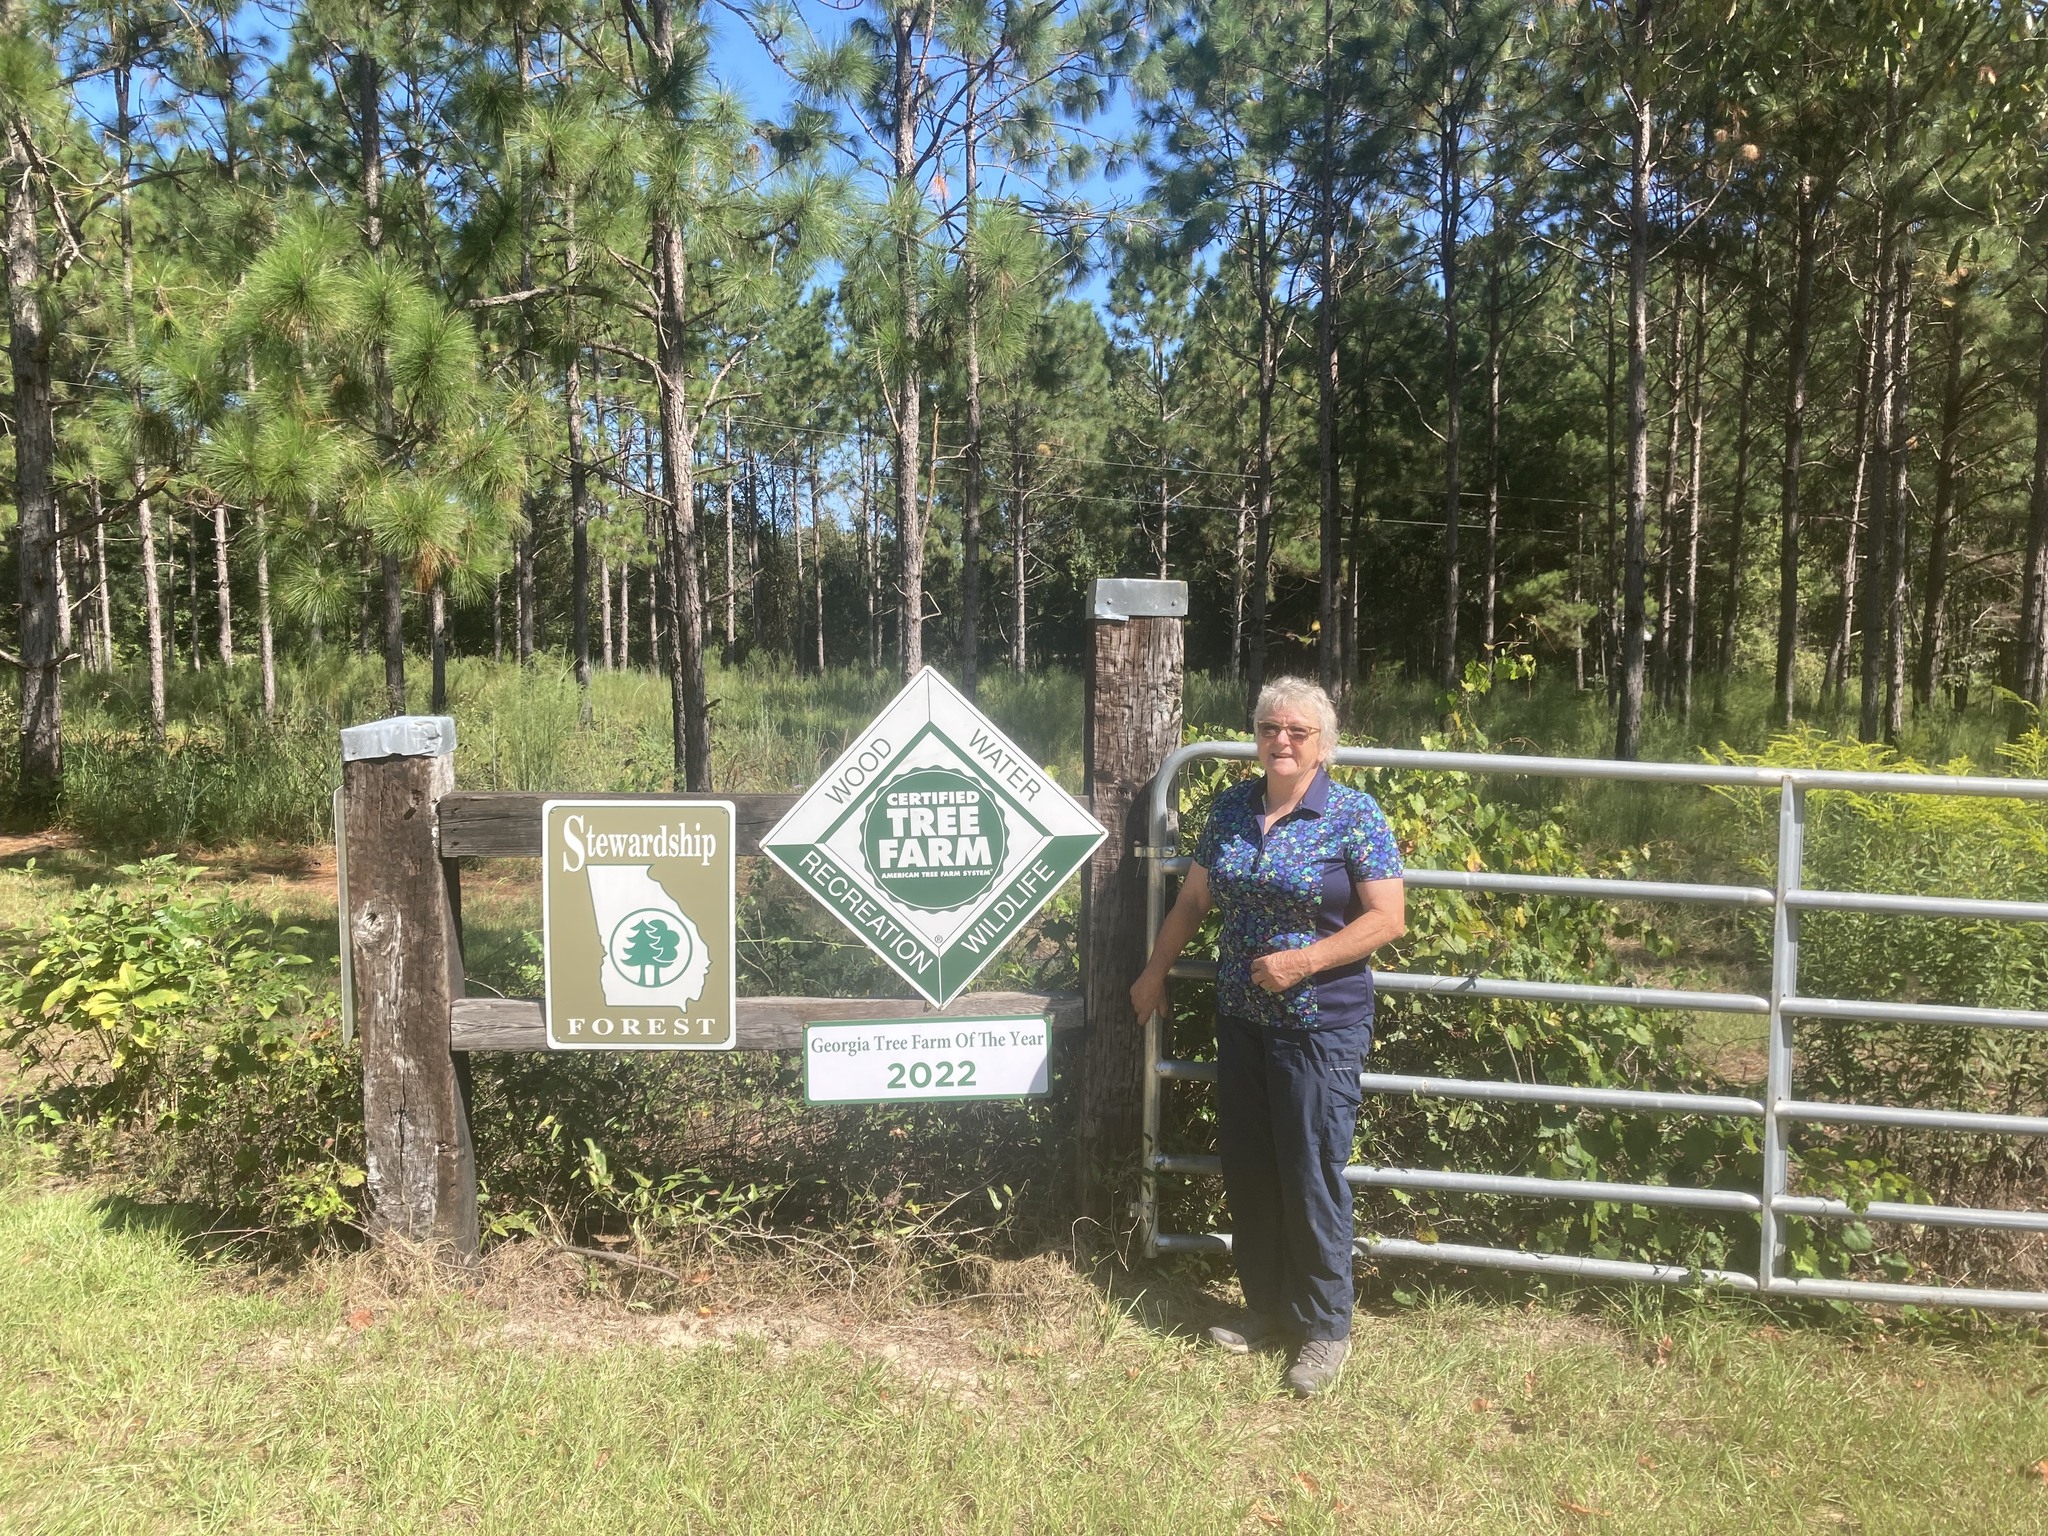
[{"x": 882, "y": 1061}]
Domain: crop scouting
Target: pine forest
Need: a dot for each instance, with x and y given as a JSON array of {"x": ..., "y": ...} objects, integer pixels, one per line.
[{"x": 1670, "y": 343}]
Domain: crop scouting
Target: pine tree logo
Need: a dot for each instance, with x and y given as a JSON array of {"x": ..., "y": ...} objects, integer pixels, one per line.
[{"x": 648, "y": 947}]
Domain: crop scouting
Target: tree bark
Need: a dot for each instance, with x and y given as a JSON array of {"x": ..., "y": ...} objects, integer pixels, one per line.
[
  {"x": 156, "y": 637},
  {"x": 1875, "y": 330},
  {"x": 1020, "y": 527},
  {"x": 1629, "y": 716},
  {"x": 970, "y": 510},
  {"x": 579, "y": 493},
  {"x": 266, "y": 636},
  {"x": 674, "y": 360},
  {"x": 1874, "y": 598},
  {"x": 35, "y": 452},
  {"x": 1610, "y": 575},
  {"x": 437, "y": 619},
  {"x": 221, "y": 584},
  {"x": 817, "y": 561},
  {"x": 1898, "y": 548},
  {"x": 1268, "y": 381},
  {"x": 1798, "y": 350},
  {"x": 731, "y": 593},
  {"x": 1667, "y": 496},
  {"x": 1329, "y": 656},
  {"x": 1934, "y": 611},
  {"x": 904, "y": 102},
  {"x": 1689, "y": 587},
  {"x": 687, "y": 695},
  {"x": 103, "y": 592},
  {"x": 370, "y": 149},
  {"x": 1450, "y": 186},
  {"x": 2033, "y": 657},
  {"x": 1731, "y": 597},
  {"x": 1489, "y": 578}
]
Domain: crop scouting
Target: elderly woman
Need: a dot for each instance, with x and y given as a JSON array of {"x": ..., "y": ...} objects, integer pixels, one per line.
[{"x": 1309, "y": 881}]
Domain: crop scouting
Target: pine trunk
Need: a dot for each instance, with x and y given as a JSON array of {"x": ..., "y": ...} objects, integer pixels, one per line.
[
  {"x": 1934, "y": 611},
  {"x": 221, "y": 584},
  {"x": 1329, "y": 651},
  {"x": 1870, "y": 602},
  {"x": 1262, "y": 522},
  {"x": 1667, "y": 499},
  {"x": 1898, "y": 549},
  {"x": 1450, "y": 184},
  {"x": 910, "y": 386},
  {"x": 1798, "y": 350},
  {"x": 35, "y": 452},
  {"x": 970, "y": 509},
  {"x": 437, "y": 602},
  {"x": 1738, "y": 507},
  {"x": 1689, "y": 588},
  {"x": 2033, "y": 637},
  {"x": 103, "y": 592},
  {"x": 1877, "y": 340},
  {"x": 1629, "y": 716},
  {"x": 266, "y": 636},
  {"x": 1489, "y": 579}
]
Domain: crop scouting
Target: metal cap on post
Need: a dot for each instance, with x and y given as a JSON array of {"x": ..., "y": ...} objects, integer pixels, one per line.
[
  {"x": 399, "y": 736},
  {"x": 402, "y": 928},
  {"x": 1117, "y": 598}
]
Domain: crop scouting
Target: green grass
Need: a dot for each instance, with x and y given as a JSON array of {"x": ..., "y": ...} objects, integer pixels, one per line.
[{"x": 142, "y": 1391}]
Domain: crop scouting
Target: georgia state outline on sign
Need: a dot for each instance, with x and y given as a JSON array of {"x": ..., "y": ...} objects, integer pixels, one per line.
[{"x": 653, "y": 954}]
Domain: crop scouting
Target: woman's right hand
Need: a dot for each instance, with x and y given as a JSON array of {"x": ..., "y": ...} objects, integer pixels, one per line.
[{"x": 1148, "y": 995}]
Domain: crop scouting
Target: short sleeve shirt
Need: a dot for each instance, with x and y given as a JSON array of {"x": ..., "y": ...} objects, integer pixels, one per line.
[{"x": 1287, "y": 885}]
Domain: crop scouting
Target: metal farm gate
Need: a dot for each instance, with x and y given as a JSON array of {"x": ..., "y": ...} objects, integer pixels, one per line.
[{"x": 1779, "y": 1109}]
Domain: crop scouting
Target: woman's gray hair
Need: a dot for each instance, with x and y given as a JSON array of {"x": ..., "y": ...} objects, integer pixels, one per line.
[{"x": 1300, "y": 693}]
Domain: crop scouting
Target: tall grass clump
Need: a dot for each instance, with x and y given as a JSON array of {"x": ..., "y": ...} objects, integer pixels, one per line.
[{"x": 227, "y": 775}]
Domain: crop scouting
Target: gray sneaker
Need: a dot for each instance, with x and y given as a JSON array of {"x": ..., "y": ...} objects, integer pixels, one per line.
[
  {"x": 1317, "y": 1364},
  {"x": 1254, "y": 1331}
]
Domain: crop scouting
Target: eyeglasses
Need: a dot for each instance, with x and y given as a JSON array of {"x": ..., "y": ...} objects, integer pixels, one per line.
[{"x": 1273, "y": 730}]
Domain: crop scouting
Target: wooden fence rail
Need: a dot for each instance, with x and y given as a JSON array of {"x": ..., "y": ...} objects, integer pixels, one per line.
[{"x": 405, "y": 830}]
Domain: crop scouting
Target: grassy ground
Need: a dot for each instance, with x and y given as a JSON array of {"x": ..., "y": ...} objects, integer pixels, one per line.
[{"x": 144, "y": 1392}]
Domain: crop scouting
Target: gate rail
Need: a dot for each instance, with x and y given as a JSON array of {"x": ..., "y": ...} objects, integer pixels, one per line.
[{"x": 1787, "y": 898}]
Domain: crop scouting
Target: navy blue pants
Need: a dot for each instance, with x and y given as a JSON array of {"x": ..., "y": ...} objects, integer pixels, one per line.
[{"x": 1287, "y": 1113}]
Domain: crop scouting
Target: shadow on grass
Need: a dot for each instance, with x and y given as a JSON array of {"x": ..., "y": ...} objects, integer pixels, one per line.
[{"x": 196, "y": 1230}]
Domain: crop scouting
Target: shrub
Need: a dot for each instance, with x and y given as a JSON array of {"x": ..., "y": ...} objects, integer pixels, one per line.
[
  {"x": 165, "y": 1015},
  {"x": 1925, "y": 845}
]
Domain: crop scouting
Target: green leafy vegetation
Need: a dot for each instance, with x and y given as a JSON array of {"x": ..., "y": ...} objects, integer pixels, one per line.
[{"x": 161, "y": 1026}]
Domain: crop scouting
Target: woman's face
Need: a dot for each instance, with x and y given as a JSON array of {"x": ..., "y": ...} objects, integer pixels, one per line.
[{"x": 1290, "y": 742}]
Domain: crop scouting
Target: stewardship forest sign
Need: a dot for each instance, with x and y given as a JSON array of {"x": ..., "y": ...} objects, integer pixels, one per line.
[
  {"x": 637, "y": 918},
  {"x": 934, "y": 838}
]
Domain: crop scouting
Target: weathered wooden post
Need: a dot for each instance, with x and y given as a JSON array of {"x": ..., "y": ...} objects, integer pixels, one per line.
[
  {"x": 403, "y": 928},
  {"x": 1136, "y": 662}
]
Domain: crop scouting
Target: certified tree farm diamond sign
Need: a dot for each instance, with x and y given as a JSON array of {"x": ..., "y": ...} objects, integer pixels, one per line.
[
  {"x": 934, "y": 838},
  {"x": 637, "y": 919}
]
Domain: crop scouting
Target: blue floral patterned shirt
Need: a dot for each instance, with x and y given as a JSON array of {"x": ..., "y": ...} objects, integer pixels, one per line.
[{"x": 1284, "y": 887}]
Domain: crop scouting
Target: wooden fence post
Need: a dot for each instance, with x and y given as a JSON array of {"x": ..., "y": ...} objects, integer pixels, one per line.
[
  {"x": 1136, "y": 662},
  {"x": 403, "y": 928}
]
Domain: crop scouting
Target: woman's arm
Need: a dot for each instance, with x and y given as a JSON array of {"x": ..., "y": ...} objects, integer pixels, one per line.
[
  {"x": 1384, "y": 920},
  {"x": 1148, "y": 992}
]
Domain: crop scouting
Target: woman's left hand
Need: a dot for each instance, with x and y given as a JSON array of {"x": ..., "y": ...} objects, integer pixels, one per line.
[{"x": 1282, "y": 969}]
